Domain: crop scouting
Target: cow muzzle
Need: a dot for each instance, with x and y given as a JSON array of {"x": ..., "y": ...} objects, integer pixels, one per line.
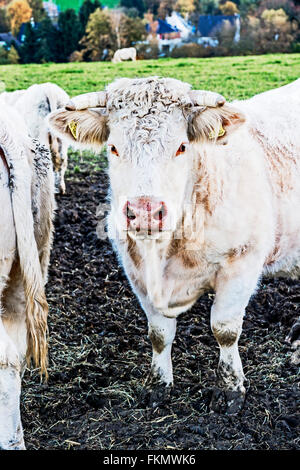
[{"x": 145, "y": 215}]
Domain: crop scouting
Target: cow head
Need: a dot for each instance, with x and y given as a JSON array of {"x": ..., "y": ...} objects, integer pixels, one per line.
[{"x": 153, "y": 127}]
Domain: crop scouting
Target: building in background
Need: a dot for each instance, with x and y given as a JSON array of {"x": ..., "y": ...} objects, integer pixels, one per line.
[
  {"x": 7, "y": 39},
  {"x": 185, "y": 28}
]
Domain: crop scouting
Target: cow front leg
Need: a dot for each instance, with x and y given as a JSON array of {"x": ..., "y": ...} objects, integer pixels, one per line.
[
  {"x": 234, "y": 286},
  {"x": 161, "y": 332}
]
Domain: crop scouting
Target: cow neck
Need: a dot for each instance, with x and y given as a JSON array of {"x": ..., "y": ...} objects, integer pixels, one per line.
[{"x": 154, "y": 256}]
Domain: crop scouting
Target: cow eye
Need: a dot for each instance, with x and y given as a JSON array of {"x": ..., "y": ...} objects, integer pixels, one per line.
[
  {"x": 114, "y": 150},
  {"x": 181, "y": 149}
]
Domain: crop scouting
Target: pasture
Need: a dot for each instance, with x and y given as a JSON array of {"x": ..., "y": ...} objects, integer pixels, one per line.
[{"x": 99, "y": 351}]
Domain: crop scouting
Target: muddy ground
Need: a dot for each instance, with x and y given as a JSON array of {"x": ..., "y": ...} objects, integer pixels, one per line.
[{"x": 100, "y": 354}]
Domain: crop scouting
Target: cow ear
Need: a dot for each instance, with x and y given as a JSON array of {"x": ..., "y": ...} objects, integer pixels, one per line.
[
  {"x": 88, "y": 126},
  {"x": 214, "y": 124}
]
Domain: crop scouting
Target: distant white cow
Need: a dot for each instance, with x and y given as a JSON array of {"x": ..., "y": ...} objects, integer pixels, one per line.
[
  {"x": 26, "y": 208},
  {"x": 128, "y": 53},
  {"x": 34, "y": 104}
]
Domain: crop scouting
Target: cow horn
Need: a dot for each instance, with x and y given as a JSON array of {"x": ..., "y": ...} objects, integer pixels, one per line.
[
  {"x": 206, "y": 98},
  {"x": 87, "y": 100}
]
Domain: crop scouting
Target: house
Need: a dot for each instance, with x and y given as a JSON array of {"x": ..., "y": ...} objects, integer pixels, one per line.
[
  {"x": 185, "y": 28},
  {"x": 210, "y": 25},
  {"x": 7, "y": 39},
  {"x": 166, "y": 35}
]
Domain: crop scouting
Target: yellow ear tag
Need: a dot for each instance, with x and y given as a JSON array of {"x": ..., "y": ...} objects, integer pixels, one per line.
[
  {"x": 212, "y": 134},
  {"x": 73, "y": 129}
]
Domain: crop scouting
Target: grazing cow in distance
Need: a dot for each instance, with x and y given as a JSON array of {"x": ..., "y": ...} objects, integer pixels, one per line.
[
  {"x": 27, "y": 203},
  {"x": 127, "y": 53},
  {"x": 205, "y": 195},
  {"x": 35, "y": 104}
]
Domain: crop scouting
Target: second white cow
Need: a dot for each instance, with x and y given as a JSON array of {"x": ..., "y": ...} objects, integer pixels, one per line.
[{"x": 34, "y": 105}]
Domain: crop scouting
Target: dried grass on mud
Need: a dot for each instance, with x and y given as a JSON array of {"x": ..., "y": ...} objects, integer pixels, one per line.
[{"x": 100, "y": 355}]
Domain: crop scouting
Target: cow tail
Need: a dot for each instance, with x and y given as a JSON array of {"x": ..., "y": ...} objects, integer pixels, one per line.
[{"x": 36, "y": 303}]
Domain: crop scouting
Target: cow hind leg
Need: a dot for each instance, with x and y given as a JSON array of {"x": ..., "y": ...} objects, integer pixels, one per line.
[
  {"x": 234, "y": 287},
  {"x": 229, "y": 395},
  {"x": 12, "y": 353},
  {"x": 11, "y": 435}
]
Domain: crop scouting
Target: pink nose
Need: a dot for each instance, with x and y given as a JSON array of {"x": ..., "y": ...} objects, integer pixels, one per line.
[{"x": 145, "y": 214}]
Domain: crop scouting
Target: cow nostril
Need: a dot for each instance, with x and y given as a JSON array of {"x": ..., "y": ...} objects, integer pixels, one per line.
[
  {"x": 130, "y": 214},
  {"x": 160, "y": 213}
]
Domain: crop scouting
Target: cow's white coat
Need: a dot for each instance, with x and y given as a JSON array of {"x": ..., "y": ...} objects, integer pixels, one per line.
[
  {"x": 241, "y": 191},
  {"x": 24, "y": 255},
  {"x": 127, "y": 53}
]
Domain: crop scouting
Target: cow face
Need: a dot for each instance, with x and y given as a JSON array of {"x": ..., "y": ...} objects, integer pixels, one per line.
[
  {"x": 151, "y": 127},
  {"x": 150, "y": 161}
]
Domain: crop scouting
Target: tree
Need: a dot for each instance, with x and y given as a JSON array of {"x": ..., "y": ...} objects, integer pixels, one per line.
[
  {"x": 3, "y": 56},
  {"x": 152, "y": 6},
  {"x": 276, "y": 19},
  {"x": 30, "y": 45},
  {"x": 165, "y": 8},
  {"x": 87, "y": 8},
  {"x": 99, "y": 36},
  {"x": 131, "y": 31},
  {"x": 270, "y": 32},
  {"x": 139, "y": 5},
  {"x": 116, "y": 17},
  {"x": 49, "y": 38},
  {"x": 19, "y": 12},
  {"x": 70, "y": 32},
  {"x": 185, "y": 7},
  {"x": 4, "y": 21},
  {"x": 13, "y": 56},
  {"x": 38, "y": 12},
  {"x": 229, "y": 8},
  {"x": 208, "y": 7}
]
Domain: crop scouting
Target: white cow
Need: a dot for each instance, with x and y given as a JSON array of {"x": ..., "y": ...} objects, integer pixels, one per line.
[
  {"x": 127, "y": 53},
  {"x": 204, "y": 196},
  {"x": 34, "y": 104},
  {"x": 27, "y": 202}
]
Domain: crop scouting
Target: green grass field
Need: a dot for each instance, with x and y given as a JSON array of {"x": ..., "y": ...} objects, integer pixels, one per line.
[{"x": 234, "y": 77}]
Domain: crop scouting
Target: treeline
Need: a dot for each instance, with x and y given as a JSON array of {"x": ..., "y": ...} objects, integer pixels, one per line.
[
  {"x": 96, "y": 32},
  {"x": 92, "y": 34}
]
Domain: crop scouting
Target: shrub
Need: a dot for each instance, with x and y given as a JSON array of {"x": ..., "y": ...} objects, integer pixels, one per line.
[
  {"x": 76, "y": 56},
  {"x": 191, "y": 50},
  {"x": 147, "y": 51}
]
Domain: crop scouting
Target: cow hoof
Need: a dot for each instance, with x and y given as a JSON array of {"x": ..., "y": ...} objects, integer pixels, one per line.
[
  {"x": 156, "y": 393},
  {"x": 227, "y": 401},
  {"x": 159, "y": 395},
  {"x": 16, "y": 443},
  {"x": 293, "y": 338}
]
